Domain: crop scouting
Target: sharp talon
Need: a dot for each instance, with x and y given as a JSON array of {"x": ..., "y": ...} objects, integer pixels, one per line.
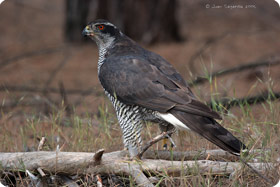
[{"x": 171, "y": 140}]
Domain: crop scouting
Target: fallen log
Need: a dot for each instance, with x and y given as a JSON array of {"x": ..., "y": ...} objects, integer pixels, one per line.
[
  {"x": 72, "y": 163},
  {"x": 175, "y": 168},
  {"x": 77, "y": 162},
  {"x": 214, "y": 154}
]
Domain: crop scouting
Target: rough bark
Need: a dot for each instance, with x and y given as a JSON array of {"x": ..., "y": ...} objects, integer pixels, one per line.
[
  {"x": 72, "y": 163},
  {"x": 116, "y": 162}
]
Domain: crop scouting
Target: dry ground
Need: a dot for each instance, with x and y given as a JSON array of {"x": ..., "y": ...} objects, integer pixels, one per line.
[{"x": 33, "y": 54}]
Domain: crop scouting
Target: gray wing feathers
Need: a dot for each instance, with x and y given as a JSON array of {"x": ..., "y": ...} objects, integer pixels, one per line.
[{"x": 159, "y": 87}]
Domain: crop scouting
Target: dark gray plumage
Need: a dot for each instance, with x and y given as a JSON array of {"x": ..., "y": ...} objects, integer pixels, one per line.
[{"x": 144, "y": 86}]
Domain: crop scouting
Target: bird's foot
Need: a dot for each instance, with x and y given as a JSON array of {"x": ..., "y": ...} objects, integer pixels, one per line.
[
  {"x": 165, "y": 146},
  {"x": 165, "y": 143},
  {"x": 126, "y": 155},
  {"x": 171, "y": 140}
]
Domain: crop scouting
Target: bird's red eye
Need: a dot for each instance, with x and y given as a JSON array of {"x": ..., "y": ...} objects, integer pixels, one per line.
[{"x": 101, "y": 27}]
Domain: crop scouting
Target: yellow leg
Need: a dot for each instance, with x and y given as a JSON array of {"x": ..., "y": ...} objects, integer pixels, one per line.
[
  {"x": 172, "y": 143},
  {"x": 165, "y": 140}
]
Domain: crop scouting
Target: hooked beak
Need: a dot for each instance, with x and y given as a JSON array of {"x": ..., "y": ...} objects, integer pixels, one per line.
[{"x": 87, "y": 31}]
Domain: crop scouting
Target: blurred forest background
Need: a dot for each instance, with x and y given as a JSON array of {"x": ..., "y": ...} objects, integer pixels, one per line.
[
  {"x": 44, "y": 59},
  {"x": 48, "y": 71}
]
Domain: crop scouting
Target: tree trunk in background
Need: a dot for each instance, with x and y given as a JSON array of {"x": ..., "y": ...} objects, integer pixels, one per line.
[
  {"x": 151, "y": 21},
  {"x": 76, "y": 18},
  {"x": 143, "y": 20}
]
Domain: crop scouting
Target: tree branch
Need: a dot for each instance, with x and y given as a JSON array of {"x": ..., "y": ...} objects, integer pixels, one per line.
[
  {"x": 205, "y": 46},
  {"x": 261, "y": 63},
  {"x": 155, "y": 140},
  {"x": 115, "y": 162},
  {"x": 14, "y": 59},
  {"x": 50, "y": 90},
  {"x": 71, "y": 162},
  {"x": 215, "y": 155},
  {"x": 228, "y": 103}
]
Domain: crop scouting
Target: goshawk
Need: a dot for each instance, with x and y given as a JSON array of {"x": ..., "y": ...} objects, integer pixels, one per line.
[{"x": 143, "y": 86}]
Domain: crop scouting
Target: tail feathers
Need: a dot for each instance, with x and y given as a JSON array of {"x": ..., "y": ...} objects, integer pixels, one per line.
[{"x": 211, "y": 130}]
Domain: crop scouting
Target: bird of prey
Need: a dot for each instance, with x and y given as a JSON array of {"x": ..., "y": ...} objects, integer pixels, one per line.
[{"x": 143, "y": 86}]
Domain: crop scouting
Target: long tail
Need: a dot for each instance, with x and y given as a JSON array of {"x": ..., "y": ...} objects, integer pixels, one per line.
[
  {"x": 212, "y": 131},
  {"x": 206, "y": 127}
]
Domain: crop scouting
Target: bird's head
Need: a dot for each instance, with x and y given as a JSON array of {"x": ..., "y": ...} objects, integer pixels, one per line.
[{"x": 102, "y": 32}]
